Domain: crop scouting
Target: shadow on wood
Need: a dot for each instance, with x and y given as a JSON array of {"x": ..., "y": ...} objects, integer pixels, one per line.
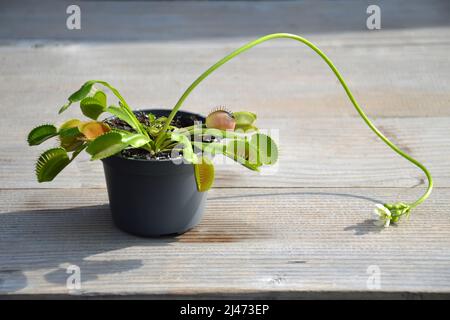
[{"x": 58, "y": 238}]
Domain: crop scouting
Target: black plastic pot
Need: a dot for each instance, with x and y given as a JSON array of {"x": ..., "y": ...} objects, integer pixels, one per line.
[{"x": 153, "y": 198}]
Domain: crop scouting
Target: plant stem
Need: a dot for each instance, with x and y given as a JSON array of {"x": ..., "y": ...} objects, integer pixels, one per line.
[
  {"x": 338, "y": 75},
  {"x": 130, "y": 112}
]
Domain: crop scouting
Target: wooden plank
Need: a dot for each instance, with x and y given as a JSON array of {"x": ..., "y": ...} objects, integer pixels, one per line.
[
  {"x": 314, "y": 152},
  {"x": 303, "y": 232},
  {"x": 277, "y": 78},
  {"x": 252, "y": 242},
  {"x": 394, "y": 72}
]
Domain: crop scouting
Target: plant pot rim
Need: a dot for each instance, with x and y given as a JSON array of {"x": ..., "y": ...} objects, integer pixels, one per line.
[{"x": 148, "y": 110}]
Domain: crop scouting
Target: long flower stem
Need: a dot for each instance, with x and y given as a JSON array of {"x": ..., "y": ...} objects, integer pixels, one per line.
[{"x": 341, "y": 80}]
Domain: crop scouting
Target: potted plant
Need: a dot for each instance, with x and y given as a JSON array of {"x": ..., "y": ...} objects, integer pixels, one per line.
[{"x": 158, "y": 163}]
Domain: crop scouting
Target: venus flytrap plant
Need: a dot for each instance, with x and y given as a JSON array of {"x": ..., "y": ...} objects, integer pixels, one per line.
[
  {"x": 101, "y": 140},
  {"x": 232, "y": 134}
]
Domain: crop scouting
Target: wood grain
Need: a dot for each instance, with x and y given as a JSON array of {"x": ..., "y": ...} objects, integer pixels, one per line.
[
  {"x": 302, "y": 231},
  {"x": 288, "y": 243},
  {"x": 278, "y": 77}
]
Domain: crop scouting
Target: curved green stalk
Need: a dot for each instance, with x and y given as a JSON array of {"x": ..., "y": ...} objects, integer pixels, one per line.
[
  {"x": 122, "y": 100},
  {"x": 341, "y": 80},
  {"x": 129, "y": 111}
]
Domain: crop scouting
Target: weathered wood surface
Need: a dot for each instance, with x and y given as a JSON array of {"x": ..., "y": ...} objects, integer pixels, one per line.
[
  {"x": 290, "y": 242},
  {"x": 301, "y": 231}
]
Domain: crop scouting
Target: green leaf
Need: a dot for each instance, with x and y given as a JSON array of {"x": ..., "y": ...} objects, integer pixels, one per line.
[
  {"x": 100, "y": 96},
  {"x": 93, "y": 107},
  {"x": 245, "y": 121},
  {"x": 123, "y": 115},
  {"x": 188, "y": 151},
  {"x": 79, "y": 95},
  {"x": 239, "y": 150},
  {"x": 135, "y": 140},
  {"x": 50, "y": 163},
  {"x": 244, "y": 153},
  {"x": 244, "y": 117},
  {"x": 41, "y": 133},
  {"x": 267, "y": 148},
  {"x": 245, "y": 128},
  {"x": 69, "y": 132},
  {"x": 204, "y": 174},
  {"x": 83, "y": 91},
  {"x": 69, "y": 135},
  {"x": 151, "y": 117},
  {"x": 106, "y": 145}
]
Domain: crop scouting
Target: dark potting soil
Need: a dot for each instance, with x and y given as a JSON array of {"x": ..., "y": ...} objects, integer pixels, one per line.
[
  {"x": 142, "y": 154},
  {"x": 179, "y": 121}
]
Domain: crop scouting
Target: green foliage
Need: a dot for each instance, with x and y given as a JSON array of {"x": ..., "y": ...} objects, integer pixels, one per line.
[
  {"x": 50, "y": 163},
  {"x": 111, "y": 143},
  {"x": 41, "y": 134},
  {"x": 93, "y": 107},
  {"x": 267, "y": 148},
  {"x": 186, "y": 146},
  {"x": 204, "y": 174},
  {"x": 156, "y": 125},
  {"x": 245, "y": 121},
  {"x": 136, "y": 140},
  {"x": 100, "y": 141},
  {"x": 106, "y": 145},
  {"x": 124, "y": 116},
  {"x": 251, "y": 151},
  {"x": 69, "y": 136},
  {"x": 244, "y": 117},
  {"x": 78, "y": 95},
  {"x": 243, "y": 152}
]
